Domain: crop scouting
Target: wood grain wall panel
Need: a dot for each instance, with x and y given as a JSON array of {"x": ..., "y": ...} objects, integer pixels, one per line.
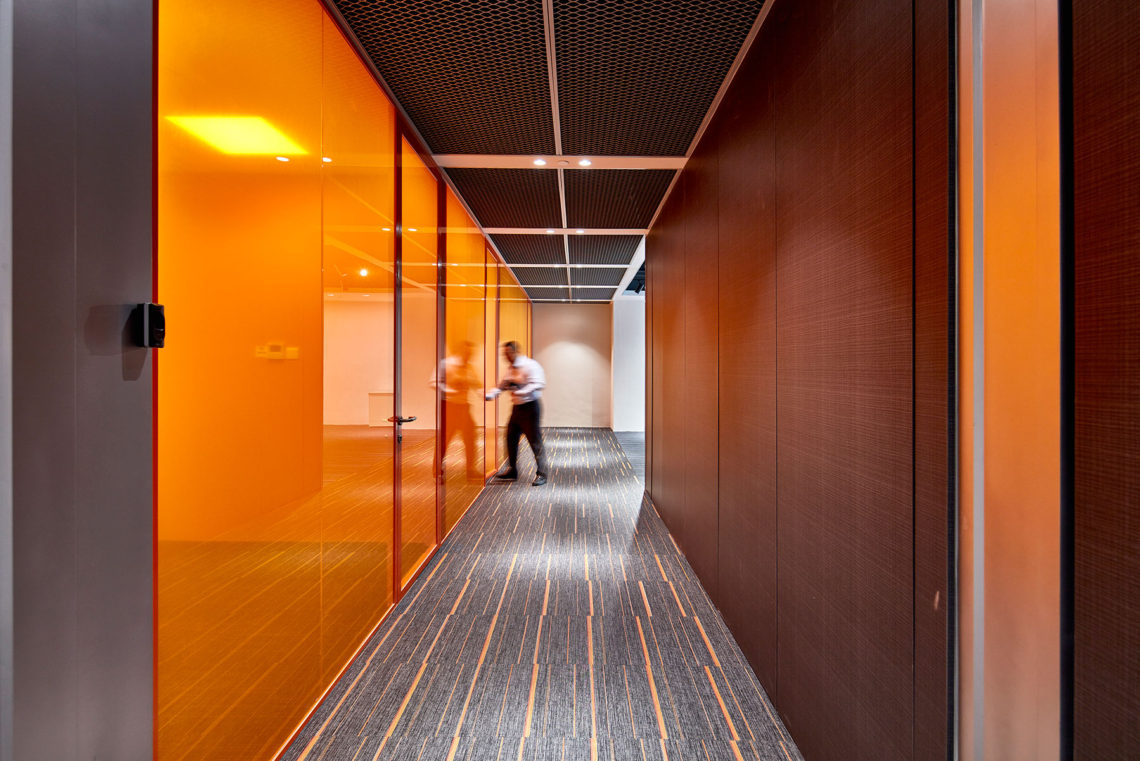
[
  {"x": 747, "y": 382},
  {"x": 844, "y": 312},
  {"x": 700, "y": 213},
  {"x": 1106, "y": 254},
  {"x": 831, "y": 203},
  {"x": 933, "y": 363},
  {"x": 670, "y": 494}
]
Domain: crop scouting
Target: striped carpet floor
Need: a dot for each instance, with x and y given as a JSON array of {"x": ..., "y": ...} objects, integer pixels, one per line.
[{"x": 558, "y": 622}]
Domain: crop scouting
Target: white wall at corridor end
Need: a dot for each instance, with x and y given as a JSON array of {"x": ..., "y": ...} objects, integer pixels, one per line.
[
  {"x": 573, "y": 345},
  {"x": 629, "y": 363}
]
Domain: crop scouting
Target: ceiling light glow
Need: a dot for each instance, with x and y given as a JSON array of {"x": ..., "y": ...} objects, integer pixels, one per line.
[
  {"x": 326, "y": 159},
  {"x": 550, "y": 232},
  {"x": 584, "y": 162},
  {"x": 540, "y": 162},
  {"x": 364, "y": 273},
  {"x": 282, "y": 158},
  {"x": 413, "y": 229},
  {"x": 579, "y": 232},
  {"x": 249, "y": 135}
]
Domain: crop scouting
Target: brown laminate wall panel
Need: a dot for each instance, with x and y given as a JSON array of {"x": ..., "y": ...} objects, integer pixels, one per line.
[
  {"x": 747, "y": 382},
  {"x": 699, "y": 540},
  {"x": 821, "y": 197},
  {"x": 844, "y": 371},
  {"x": 670, "y": 494},
  {"x": 933, "y": 365},
  {"x": 1106, "y": 291}
]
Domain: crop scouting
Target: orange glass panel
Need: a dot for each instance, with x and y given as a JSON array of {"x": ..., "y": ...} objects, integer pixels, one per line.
[
  {"x": 358, "y": 275},
  {"x": 462, "y": 366},
  {"x": 514, "y": 306},
  {"x": 418, "y": 362},
  {"x": 239, "y": 390},
  {"x": 270, "y": 570},
  {"x": 506, "y": 333},
  {"x": 494, "y": 452}
]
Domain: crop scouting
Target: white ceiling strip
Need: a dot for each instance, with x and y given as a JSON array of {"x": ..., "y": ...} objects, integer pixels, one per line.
[
  {"x": 564, "y": 231},
  {"x": 509, "y": 161}
]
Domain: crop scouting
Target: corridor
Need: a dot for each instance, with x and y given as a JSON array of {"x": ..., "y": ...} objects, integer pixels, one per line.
[{"x": 554, "y": 623}]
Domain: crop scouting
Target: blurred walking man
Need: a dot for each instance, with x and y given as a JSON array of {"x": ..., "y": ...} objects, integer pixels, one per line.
[{"x": 525, "y": 380}]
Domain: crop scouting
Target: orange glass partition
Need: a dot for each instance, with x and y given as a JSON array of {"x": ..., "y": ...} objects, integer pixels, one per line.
[
  {"x": 238, "y": 650},
  {"x": 277, "y": 528},
  {"x": 502, "y": 316},
  {"x": 419, "y": 357},
  {"x": 462, "y": 367},
  {"x": 495, "y": 453},
  {"x": 513, "y": 310},
  {"x": 273, "y": 487},
  {"x": 358, "y": 274}
]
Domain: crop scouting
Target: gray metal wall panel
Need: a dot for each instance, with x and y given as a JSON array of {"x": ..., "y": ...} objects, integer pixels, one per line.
[{"x": 82, "y": 423}]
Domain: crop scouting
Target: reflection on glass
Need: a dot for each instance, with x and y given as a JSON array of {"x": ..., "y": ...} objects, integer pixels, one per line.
[
  {"x": 418, "y": 362},
  {"x": 463, "y": 404}
]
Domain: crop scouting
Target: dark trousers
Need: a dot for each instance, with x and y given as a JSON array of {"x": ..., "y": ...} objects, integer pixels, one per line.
[{"x": 525, "y": 422}]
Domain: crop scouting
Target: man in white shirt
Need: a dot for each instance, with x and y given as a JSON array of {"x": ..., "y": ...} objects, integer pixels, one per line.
[{"x": 525, "y": 380}]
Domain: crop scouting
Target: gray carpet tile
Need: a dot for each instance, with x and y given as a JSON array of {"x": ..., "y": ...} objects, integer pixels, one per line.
[
  {"x": 633, "y": 444},
  {"x": 555, "y": 622}
]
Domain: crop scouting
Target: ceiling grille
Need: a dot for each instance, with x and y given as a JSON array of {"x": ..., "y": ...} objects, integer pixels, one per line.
[
  {"x": 593, "y": 294},
  {"x": 470, "y": 73},
  {"x": 531, "y": 249},
  {"x": 614, "y": 198},
  {"x": 603, "y": 249},
  {"x": 541, "y": 275},
  {"x": 596, "y": 276},
  {"x": 636, "y": 78},
  {"x": 510, "y": 197},
  {"x": 548, "y": 294}
]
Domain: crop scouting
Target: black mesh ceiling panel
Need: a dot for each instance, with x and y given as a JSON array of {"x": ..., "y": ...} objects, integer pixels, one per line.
[
  {"x": 593, "y": 294},
  {"x": 470, "y": 73},
  {"x": 510, "y": 197},
  {"x": 636, "y": 78},
  {"x": 548, "y": 294},
  {"x": 541, "y": 275},
  {"x": 614, "y": 197},
  {"x": 596, "y": 276},
  {"x": 603, "y": 249},
  {"x": 531, "y": 249}
]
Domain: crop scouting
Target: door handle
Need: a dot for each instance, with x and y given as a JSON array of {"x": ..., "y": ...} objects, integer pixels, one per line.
[{"x": 397, "y": 419}]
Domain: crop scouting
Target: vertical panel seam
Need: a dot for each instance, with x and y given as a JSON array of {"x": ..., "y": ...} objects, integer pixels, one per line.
[
  {"x": 913, "y": 376},
  {"x": 977, "y": 382},
  {"x": 1068, "y": 382},
  {"x": 952, "y": 242}
]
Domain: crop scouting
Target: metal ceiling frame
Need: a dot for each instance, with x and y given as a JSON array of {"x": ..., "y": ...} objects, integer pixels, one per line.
[
  {"x": 408, "y": 126},
  {"x": 557, "y": 162}
]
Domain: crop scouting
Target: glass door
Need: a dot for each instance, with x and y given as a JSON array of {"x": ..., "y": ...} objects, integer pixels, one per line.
[{"x": 417, "y": 366}]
